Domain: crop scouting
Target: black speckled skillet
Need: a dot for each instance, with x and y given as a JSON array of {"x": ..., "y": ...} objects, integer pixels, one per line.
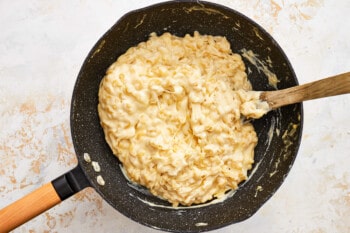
[{"x": 279, "y": 131}]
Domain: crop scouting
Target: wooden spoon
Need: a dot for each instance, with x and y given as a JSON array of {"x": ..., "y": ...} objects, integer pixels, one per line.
[{"x": 335, "y": 85}]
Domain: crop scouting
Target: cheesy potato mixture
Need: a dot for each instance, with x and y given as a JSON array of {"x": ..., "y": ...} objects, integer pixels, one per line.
[{"x": 171, "y": 109}]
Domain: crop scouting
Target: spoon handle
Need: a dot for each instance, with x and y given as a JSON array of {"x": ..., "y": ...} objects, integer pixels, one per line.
[{"x": 335, "y": 85}]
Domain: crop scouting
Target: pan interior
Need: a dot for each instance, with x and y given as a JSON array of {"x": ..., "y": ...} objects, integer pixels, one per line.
[{"x": 279, "y": 131}]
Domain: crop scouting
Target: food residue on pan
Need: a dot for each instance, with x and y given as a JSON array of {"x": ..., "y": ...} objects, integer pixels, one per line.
[
  {"x": 87, "y": 157},
  {"x": 288, "y": 137},
  {"x": 201, "y": 224},
  {"x": 258, "y": 189},
  {"x": 96, "y": 166},
  {"x": 141, "y": 21},
  {"x": 171, "y": 109},
  {"x": 100, "y": 46},
  {"x": 257, "y": 33},
  {"x": 261, "y": 66},
  {"x": 206, "y": 10},
  {"x": 100, "y": 180}
]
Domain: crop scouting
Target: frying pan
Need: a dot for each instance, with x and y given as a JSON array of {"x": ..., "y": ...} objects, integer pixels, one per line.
[{"x": 279, "y": 132}]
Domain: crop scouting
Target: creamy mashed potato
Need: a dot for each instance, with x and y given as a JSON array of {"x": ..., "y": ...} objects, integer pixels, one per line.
[{"x": 171, "y": 109}]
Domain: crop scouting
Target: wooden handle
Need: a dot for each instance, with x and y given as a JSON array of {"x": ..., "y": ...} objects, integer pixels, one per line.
[
  {"x": 28, "y": 207},
  {"x": 335, "y": 85}
]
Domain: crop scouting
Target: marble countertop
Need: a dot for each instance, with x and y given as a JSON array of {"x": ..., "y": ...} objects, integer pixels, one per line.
[{"x": 44, "y": 43}]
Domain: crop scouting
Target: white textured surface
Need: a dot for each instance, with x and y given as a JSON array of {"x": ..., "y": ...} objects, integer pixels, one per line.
[{"x": 42, "y": 46}]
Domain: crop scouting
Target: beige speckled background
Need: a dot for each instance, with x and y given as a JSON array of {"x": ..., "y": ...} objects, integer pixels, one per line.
[{"x": 42, "y": 46}]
